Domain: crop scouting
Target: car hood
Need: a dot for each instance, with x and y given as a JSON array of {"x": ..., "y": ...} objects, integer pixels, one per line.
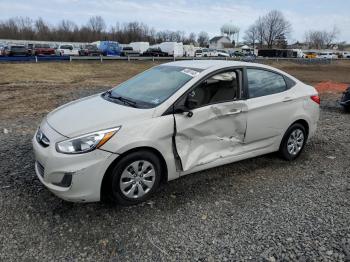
[{"x": 92, "y": 114}]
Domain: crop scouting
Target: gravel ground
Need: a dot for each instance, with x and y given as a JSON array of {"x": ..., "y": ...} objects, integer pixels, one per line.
[{"x": 261, "y": 209}]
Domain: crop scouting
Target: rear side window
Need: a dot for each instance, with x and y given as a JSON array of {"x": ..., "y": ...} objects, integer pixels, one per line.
[{"x": 263, "y": 83}]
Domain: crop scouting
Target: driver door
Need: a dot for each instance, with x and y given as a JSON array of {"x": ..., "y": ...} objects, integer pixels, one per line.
[{"x": 216, "y": 124}]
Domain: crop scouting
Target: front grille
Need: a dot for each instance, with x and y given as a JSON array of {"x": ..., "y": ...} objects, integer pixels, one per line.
[{"x": 40, "y": 168}]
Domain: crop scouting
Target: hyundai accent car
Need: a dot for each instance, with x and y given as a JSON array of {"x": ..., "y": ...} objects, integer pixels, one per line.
[{"x": 169, "y": 121}]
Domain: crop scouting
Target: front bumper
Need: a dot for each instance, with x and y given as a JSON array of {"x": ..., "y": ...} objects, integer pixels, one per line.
[{"x": 84, "y": 171}]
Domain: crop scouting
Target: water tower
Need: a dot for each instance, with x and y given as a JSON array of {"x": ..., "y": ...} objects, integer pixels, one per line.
[{"x": 230, "y": 30}]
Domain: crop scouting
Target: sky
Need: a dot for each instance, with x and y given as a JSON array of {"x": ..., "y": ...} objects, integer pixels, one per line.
[{"x": 190, "y": 16}]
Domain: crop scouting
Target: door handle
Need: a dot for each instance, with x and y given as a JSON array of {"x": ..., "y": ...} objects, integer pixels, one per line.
[
  {"x": 288, "y": 99},
  {"x": 234, "y": 112}
]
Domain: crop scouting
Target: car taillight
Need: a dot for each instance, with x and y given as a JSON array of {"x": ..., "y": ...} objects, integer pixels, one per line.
[{"x": 316, "y": 99}]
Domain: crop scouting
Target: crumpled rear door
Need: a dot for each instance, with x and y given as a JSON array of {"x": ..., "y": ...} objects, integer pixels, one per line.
[{"x": 213, "y": 132}]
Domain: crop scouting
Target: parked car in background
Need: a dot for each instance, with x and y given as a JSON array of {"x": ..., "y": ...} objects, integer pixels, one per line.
[
  {"x": 209, "y": 52},
  {"x": 198, "y": 53},
  {"x": 345, "y": 100},
  {"x": 170, "y": 121},
  {"x": 1, "y": 49},
  {"x": 129, "y": 51},
  {"x": 327, "y": 55},
  {"x": 155, "y": 52},
  {"x": 310, "y": 55},
  {"x": 237, "y": 54},
  {"x": 346, "y": 54},
  {"x": 15, "y": 50},
  {"x": 30, "y": 49},
  {"x": 109, "y": 48},
  {"x": 222, "y": 53},
  {"x": 90, "y": 50},
  {"x": 67, "y": 50},
  {"x": 42, "y": 49}
]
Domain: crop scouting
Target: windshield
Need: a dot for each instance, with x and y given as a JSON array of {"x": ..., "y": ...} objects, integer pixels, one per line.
[{"x": 154, "y": 86}]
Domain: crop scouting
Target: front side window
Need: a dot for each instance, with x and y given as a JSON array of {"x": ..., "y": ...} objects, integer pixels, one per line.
[
  {"x": 263, "y": 83},
  {"x": 154, "y": 86},
  {"x": 219, "y": 88}
]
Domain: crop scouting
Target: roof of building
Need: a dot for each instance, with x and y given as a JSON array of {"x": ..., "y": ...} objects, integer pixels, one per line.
[{"x": 217, "y": 38}]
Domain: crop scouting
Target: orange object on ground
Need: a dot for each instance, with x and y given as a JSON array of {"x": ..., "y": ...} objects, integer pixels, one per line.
[{"x": 331, "y": 87}]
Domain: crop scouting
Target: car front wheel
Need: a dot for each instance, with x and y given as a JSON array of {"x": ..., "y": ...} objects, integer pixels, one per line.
[
  {"x": 135, "y": 177},
  {"x": 293, "y": 142}
]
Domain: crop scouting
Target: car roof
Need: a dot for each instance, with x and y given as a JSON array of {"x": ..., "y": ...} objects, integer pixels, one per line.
[
  {"x": 206, "y": 64},
  {"x": 217, "y": 64}
]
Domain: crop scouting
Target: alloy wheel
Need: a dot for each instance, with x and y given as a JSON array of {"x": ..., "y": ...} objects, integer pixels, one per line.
[
  {"x": 137, "y": 179},
  {"x": 295, "y": 142}
]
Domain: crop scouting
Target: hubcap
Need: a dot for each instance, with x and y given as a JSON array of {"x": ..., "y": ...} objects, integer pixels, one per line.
[
  {"x": 137, "y": 179},
  {"x": 295, "y": 142}
]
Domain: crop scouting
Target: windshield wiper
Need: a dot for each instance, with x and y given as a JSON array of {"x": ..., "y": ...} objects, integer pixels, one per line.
[{"x": 123, "y": 99}]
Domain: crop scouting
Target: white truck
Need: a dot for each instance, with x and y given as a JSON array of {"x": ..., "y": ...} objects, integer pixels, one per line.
[
  {"x": 189, "y": 50},
  {"x": 172, "y": 48},
  {"x": 139, "y": 46}
]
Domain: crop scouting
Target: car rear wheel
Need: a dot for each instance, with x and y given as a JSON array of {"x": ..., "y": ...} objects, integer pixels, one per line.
[
  {"x": 135, "y": 177},
  {"x": 293, "y": 142}
]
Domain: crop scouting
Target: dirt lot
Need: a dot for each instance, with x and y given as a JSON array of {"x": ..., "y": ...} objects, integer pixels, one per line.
[{"x": 262, "y": 209}]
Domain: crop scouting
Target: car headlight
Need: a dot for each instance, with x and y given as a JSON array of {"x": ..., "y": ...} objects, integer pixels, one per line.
[{"x": 86, "y": 143}]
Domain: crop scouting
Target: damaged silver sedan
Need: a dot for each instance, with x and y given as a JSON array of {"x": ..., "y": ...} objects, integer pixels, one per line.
[{"x": 169, "y": 121}]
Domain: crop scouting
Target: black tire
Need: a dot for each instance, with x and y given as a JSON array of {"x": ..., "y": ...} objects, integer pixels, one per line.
[
  {"x": 115, "y": 192},
  {"x": 283, "y": 150},
  {"x": 347, "y": 108}
]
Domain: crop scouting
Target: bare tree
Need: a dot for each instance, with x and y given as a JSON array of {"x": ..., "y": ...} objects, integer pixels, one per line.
[
  {"x": 268, "y": 30},
  {"x": 24, "y": 28},
  {"x": 321, "y": 39},
  {"x": 66, "y": 31},
  {"x": 191, "y": 39},
  {"x": 42, "y": 29},
  {"x": 67, "y": 26},
  {"x": 275, "y": 25},
  {"x": 96, "y": 24},
  {"x": 252, "y": 35},
  {"x": 260, "y": 27},
  {"x": 203, "y": 39}
]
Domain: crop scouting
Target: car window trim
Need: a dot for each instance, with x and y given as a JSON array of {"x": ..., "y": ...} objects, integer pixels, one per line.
[
  {"x": 221, "y": 70},
  {"x": 288, "y": 86}
]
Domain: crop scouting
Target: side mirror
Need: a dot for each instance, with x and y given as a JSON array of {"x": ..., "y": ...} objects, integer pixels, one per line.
[{"x": 191, "y": 103}]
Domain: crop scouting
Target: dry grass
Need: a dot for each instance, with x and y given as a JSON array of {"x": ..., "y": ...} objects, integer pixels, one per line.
[
  {"x": 31, "y": 89},
  {"x": 338, "y": 71}
]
